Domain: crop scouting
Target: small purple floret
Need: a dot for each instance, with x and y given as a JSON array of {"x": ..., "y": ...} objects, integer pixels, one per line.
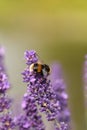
[
  {"x": 31, "y": 57},
  {"x": 4, "y": 84},
  {"x": 5, "y": 103},
  {"x": 6, "y": 122}
]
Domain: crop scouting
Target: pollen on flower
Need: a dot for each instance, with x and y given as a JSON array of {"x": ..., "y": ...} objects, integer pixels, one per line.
[
  {"x": 44, "y": 104},
  {"x": 7, "y": 123}
]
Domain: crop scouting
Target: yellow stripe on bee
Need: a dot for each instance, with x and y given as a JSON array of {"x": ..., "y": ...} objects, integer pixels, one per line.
[
  {"x": 39, "y": 67},
  {"x": 31, "y": 67}
]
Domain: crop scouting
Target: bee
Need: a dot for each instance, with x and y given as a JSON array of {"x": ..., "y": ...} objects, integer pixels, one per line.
[{"x": 40, "y": 68}]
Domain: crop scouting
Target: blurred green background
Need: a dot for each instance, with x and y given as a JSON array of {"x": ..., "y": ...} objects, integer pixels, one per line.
[{"x": 57, "y": 30}]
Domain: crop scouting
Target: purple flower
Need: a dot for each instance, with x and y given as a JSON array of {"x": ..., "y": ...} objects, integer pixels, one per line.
[
  {"x": 6, "y": 119},
  {"x": 4, "y": 84},
  {"x": 30, "y": 56},
  {"x": 26, "y": 75},
  {"x": 23, "y": 122},
  {"x": 30, "y": 119},
  {"x": 40, "y": 89},
  {"x": 5, "y": 103},
  {"x": 63, "y": 125},
  {"x": 59, "y": 88},
  {"x": 29, "y": 105},
  {"x": 6, "y": 122},
  {"x": 44, "y": 97}
]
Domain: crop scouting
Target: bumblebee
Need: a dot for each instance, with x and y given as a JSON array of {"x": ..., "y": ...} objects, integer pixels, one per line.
[{"x": 39, "y": 68}]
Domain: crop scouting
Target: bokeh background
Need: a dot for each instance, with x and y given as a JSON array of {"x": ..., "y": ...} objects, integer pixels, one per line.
[{"x": 57, "y": 30}]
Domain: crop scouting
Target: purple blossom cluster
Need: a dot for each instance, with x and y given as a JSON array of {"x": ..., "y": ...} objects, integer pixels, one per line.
[
  {"x": 60, "y": 90},
  {"x": 45, "y": 94},
  {"x": 6, "y": 120},
  {"x": 5, "y": 103},
  {"x": 39, "y": 87},
  {"x": 4, "y": 84},
  {"x": 30, "y": 119}
]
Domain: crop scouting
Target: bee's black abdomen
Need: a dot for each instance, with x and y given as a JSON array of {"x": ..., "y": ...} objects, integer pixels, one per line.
[{"x": 47, "y": 68}]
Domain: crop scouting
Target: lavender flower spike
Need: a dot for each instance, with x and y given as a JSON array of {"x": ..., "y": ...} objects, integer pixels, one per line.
[
  {"x": 60, "y": 90},
  {"x": 40, "y": 88},
  {"x": 30, "y": 119},
  {"x": 6, "y": 119}
]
